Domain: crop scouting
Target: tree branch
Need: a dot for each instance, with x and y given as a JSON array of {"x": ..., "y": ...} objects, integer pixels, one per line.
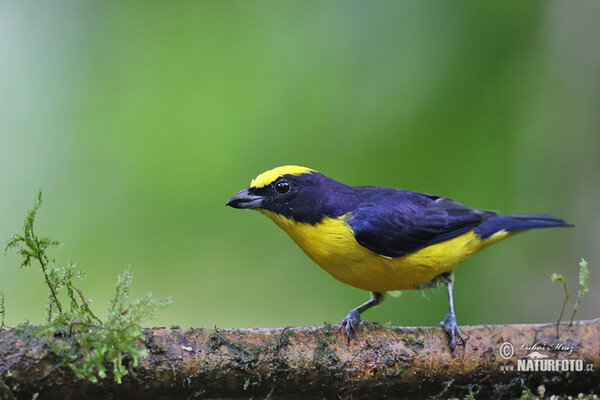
[{"x": 317, "y": 362}]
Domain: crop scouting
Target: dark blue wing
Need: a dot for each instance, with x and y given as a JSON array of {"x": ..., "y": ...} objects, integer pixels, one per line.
[{"x": 395, "y": 222}]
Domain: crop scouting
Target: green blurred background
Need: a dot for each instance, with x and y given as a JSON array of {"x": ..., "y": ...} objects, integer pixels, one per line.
[{"x": 140, "y": 119}]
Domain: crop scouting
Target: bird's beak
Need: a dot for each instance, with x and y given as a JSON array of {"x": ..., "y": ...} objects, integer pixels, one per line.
[{"x": 245, "y": 199}]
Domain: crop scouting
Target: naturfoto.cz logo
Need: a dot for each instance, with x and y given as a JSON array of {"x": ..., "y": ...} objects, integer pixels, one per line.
[{"x": 538, "y": 361}]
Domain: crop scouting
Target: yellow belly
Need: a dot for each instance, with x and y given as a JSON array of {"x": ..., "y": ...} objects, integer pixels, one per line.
[{"x": 332, "y": 246}]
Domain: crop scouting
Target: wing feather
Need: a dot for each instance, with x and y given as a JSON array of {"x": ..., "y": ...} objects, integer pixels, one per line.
[{"x": 396, "y": 222}]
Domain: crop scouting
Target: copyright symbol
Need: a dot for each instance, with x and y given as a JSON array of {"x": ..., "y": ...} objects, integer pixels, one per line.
[{"x": 507, "y": 350}]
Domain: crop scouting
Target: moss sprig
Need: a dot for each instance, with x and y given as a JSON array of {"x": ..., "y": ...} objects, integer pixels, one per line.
[
  {"x": 584, "y": 276},
  {"x": 83, "y": 341},
  {"x": 30, "y": 248},
  {"x": 584, "y": 279}
]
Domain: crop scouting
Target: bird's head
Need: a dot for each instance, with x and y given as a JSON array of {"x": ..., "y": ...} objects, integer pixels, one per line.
[{"x": 291, "y": 191}]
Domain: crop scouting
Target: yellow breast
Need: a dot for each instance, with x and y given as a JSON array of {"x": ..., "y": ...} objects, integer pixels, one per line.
[{"x": 331, "y": 244}]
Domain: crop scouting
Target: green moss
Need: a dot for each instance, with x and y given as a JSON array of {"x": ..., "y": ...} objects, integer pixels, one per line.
[
  {"x": 413, "y": 342},
  {"x": 584, "y": 276},
  {"x": 329, "y": 333},
  {"x": 324, "y": 356},
  {"x": 84, "y": 342},
  {"x": 387, "y": 326},
  {"x": 469, "y": 396},
  {"x": 246, "y": 353},
  {"x": 282, "y": 340},
  {"x": 528, "y": 395},
  {"x": 191, "y": 331}
]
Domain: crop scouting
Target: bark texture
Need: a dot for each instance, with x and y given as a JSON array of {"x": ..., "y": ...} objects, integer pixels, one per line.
[{"x": 317, "y": 362}]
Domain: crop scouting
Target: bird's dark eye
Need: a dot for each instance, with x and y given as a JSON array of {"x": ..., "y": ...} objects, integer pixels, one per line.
[{"x": 282, "y": 187}]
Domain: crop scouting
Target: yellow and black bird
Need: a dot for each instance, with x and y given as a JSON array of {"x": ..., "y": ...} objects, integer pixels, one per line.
[{"x": 378, "y": 238}]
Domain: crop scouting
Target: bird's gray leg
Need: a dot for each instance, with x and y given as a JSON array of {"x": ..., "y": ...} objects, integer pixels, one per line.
[
  {"x": 353, "y": 317},
  {"x": 449, "y": 322}
]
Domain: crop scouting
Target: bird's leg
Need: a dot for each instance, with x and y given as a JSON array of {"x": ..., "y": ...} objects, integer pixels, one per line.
[
  {"x": 353, "y": 317},
  {"x": 449, "y": 322}
]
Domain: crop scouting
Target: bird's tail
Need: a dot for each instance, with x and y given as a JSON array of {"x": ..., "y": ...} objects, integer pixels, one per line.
[{"x": 518, "y": 222}]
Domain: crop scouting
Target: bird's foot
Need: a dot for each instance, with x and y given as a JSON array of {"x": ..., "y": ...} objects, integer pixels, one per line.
[
  {"x": 451, "y": 328},
  {"x": 350, "y": 322}
]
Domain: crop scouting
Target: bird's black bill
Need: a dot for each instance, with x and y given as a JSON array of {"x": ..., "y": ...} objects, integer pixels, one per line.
[{"x": 245, "y": 199}]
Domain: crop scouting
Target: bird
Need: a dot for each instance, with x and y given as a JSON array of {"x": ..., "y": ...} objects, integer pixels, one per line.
[{"x": 380, "y": 239}]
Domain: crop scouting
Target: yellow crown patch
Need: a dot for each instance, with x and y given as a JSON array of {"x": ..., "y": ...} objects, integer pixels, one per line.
[{"x": 267, "y": 177}]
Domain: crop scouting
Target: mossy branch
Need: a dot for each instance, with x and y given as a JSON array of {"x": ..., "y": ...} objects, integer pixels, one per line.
[{"x": 316, "y": 362}]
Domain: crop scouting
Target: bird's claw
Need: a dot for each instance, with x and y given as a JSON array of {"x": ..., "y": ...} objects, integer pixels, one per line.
[
  {"x": 451, "y": 328},
  {"x": 350, "y": 322}
]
